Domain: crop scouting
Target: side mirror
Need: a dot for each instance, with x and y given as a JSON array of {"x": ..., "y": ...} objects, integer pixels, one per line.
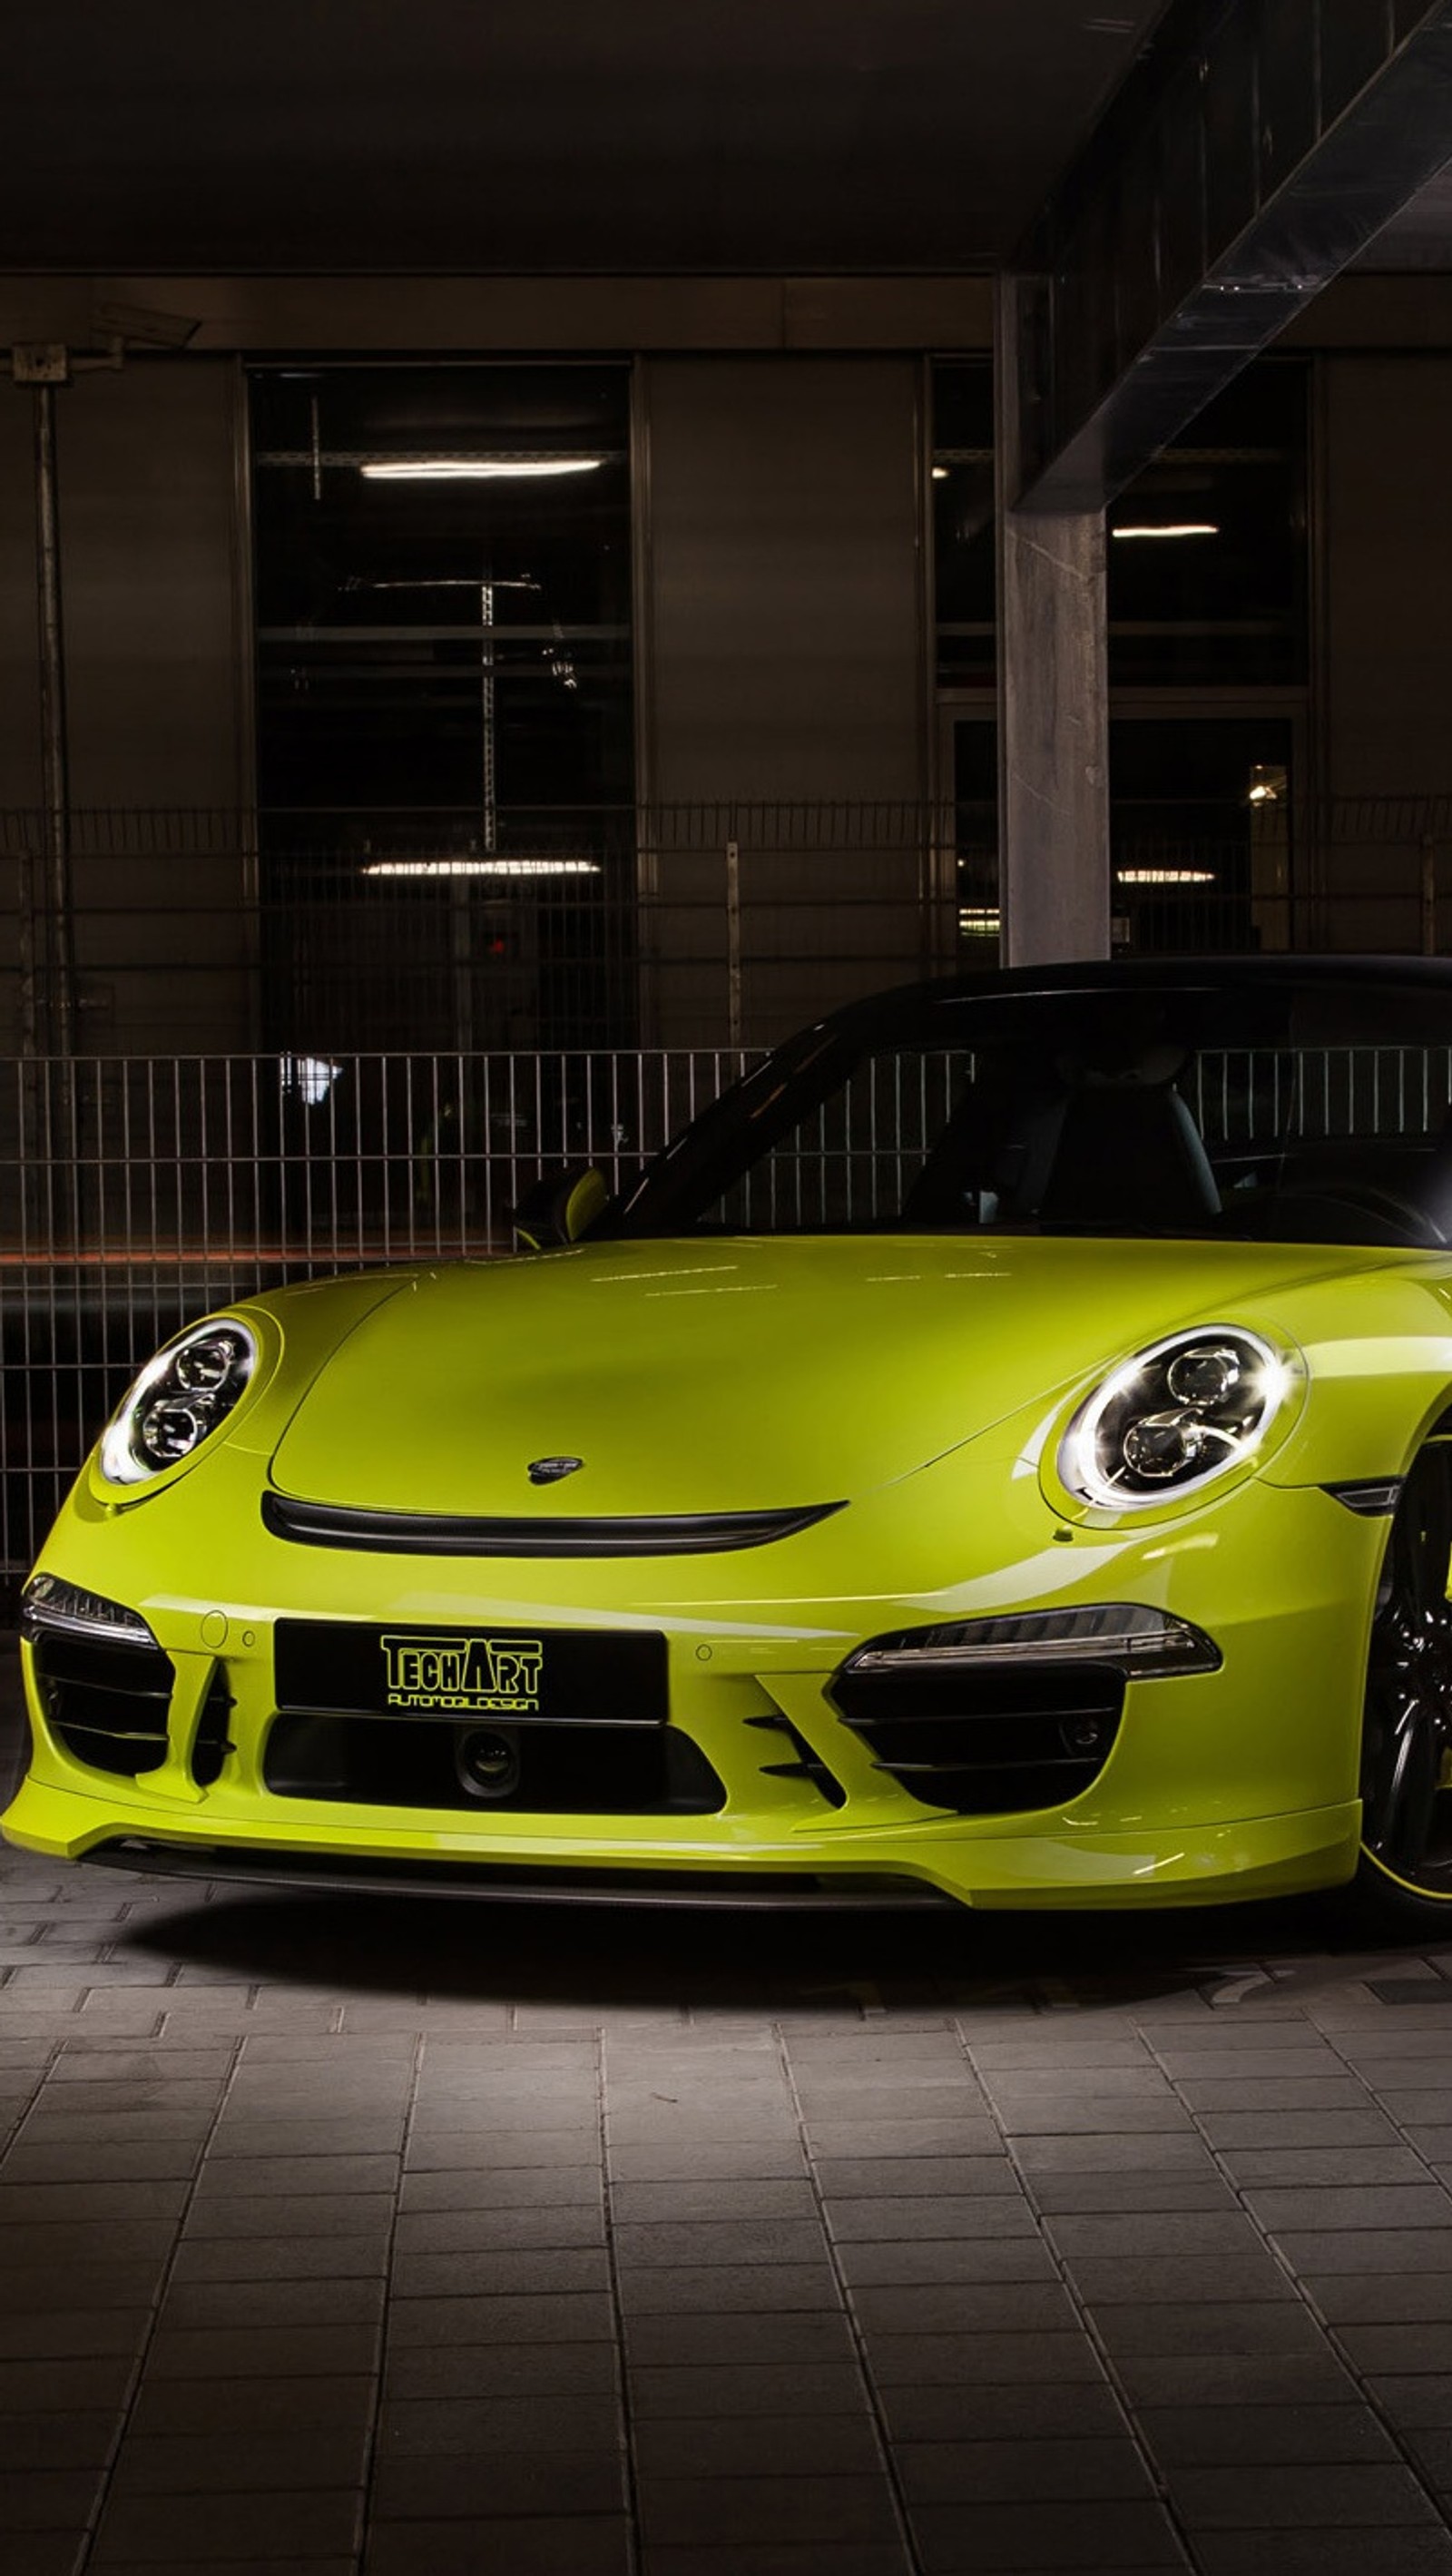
[{"x": 560, "y": 1207}]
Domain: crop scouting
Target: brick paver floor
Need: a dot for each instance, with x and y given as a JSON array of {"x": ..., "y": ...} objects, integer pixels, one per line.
[{"x": 447, "y": 2240}]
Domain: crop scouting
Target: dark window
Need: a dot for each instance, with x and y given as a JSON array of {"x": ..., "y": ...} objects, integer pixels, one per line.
[
  {"x": 1207, "y": 548},
  {"x": 1221, "y": 602},
  {"x": 443, "y": 585},
  {"x": 964, "y": 538},
  {"x": 1207, "y": 586},
  {"x": 1202, "y": 830}
]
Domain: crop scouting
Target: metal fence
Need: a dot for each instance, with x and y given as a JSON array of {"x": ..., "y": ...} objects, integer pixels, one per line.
[
  {"x": 617, "y": 926},
  {"x": 601, "y": 926}
]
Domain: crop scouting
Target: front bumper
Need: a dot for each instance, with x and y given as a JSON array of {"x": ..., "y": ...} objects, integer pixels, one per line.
[{"x": 1237, "y": 1783}]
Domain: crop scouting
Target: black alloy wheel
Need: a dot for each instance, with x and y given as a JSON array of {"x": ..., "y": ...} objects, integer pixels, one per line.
[{"x": 1406, "y": 1758}]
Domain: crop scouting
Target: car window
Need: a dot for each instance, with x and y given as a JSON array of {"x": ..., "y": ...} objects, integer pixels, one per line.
[
  {"x": 853, "y": 1158},
  {"x": 1250, "y": 1110}
]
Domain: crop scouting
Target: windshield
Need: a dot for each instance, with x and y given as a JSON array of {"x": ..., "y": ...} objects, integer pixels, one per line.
[{"x": 1263, "y": 1106}]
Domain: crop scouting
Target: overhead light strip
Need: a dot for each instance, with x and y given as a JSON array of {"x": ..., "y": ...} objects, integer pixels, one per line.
[
  {"x": 1169, "y": 528},
  {"x": 474, "y": 469},
  {"x": 482, "y": 868},
  {"x": 1164, "y": 876}
]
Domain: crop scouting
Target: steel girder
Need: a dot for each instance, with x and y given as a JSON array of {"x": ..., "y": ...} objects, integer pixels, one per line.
[{"x": 1255, "y": 149}]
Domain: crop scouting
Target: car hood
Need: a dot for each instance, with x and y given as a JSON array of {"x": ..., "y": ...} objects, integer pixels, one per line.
[{"x": 739, "y": 1374}]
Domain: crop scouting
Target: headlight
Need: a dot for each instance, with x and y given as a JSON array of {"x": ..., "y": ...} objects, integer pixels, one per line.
[
  {"x": 1174, "y": 1418},
  {"x": 179, "y": 1398}
]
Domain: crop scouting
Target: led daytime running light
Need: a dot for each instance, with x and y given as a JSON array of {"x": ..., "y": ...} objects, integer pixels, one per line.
[
  {"x": 49, "y": 1606},
  {"x": 1126, "y": 1634}
]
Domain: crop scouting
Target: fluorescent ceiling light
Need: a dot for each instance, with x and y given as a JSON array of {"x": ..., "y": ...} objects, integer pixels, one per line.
[
  {"x": 1164, "y": 876},
  {"x": 1169, "y": 528},
  {"x": 979, "y": 922},
  {"x": 473, "y": 469},
  {"x": 482, "y": 868}
]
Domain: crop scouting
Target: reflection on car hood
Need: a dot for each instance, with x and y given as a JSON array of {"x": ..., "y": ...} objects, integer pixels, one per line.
[{"x": 735, "y": 1374}]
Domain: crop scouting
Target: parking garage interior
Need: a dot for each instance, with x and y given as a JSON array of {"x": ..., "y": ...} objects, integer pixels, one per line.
[{"x": 539, "y": 552}]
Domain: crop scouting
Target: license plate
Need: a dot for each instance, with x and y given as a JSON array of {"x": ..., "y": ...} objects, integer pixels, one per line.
[{"x": 525, "y": 1676}]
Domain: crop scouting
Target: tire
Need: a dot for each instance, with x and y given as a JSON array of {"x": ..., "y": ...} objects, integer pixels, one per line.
[{"x": 1406, "y": 1745}]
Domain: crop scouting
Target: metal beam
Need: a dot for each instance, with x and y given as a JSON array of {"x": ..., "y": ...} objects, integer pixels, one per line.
[{"x": 1256, "y": 148}]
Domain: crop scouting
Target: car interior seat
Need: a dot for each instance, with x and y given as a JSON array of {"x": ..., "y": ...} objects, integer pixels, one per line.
[{"x": 1128, "y": 1158}]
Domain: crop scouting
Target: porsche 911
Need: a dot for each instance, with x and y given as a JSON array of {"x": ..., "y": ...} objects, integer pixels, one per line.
[{"x": 1001, "y": 1453}]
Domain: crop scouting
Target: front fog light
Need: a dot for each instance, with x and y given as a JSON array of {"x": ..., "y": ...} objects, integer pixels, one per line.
[
  {"x": 51, "y": 1607},
  {"x": 178, "y": 1401},
  {"x": 1174, "y": 1418}
]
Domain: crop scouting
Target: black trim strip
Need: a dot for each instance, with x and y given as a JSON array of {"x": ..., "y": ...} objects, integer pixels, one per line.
[
  {"x": 739, "y": 1891},
  {"x": 446, "y": 1534}
]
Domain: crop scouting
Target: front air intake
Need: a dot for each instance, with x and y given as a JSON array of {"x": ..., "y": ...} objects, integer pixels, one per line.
[
  {"x": 985, "y": 1724},
  {"x": 107, "y": 1705}
]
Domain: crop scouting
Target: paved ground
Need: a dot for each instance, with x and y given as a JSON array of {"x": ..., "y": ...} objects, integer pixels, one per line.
[{"x": 469, "y": 2242}]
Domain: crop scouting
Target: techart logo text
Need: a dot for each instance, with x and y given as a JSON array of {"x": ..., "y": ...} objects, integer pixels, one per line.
[{"x": 472, "y": 1674}]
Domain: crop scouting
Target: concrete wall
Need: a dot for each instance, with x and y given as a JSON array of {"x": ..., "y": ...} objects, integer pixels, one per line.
[
  {"x": 19, "y": 680},
  {"x": 19, "y": 690},
  {"x": 1387, "y": 553},
  {"x": 147, "y": 463},
  {"x": 148, "y": 480},
  {"x": 543, "y": 315},
  {"x": 783, "y": 659}
]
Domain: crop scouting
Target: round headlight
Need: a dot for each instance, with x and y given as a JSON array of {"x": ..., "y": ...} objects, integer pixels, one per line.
[
  {"x": 179, "y": 1398},
  {"x": 1173, "y": 1419}
]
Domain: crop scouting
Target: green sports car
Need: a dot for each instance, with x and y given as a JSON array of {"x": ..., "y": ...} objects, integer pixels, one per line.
[{"x": 1000, "y": 1452}]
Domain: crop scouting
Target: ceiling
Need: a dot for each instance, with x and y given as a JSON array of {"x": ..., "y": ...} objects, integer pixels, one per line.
[{"x": 518, "y": 137}]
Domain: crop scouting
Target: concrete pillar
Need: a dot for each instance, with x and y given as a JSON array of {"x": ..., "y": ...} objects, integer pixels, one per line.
[{"x": 1053, "y": 703}]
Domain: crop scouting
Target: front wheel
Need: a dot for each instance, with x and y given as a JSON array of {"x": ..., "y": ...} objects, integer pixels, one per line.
[{"x": 1406, "y": 1746}]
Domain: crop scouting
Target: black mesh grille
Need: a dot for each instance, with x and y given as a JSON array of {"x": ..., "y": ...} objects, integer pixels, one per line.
[
  {"x": 553, "y": 1770},
  {"x": 987, "y": 1739},
  {"x": 107, "y": 1705}
]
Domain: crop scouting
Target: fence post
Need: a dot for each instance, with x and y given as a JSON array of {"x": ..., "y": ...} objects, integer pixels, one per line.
[
  {"x": 25, "y": 920},
  {"x": 733, "y": 943},
  {"x": 54, "y": 763},
  {"x": 30, "y": 1071}
]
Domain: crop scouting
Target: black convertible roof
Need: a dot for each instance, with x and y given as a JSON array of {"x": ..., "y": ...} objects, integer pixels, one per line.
[{"x": 1426, "y": 976}]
